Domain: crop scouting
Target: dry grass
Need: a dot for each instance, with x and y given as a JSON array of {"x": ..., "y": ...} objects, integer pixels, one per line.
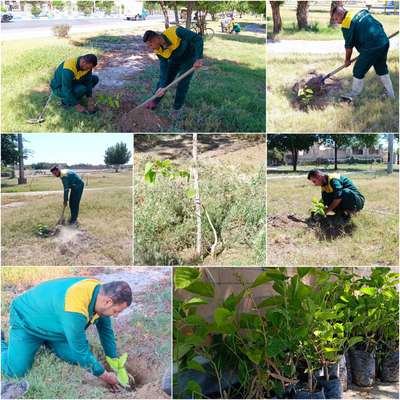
[
  {"x": 105, "y": 225},
  {"x": 374, "y": 240}
]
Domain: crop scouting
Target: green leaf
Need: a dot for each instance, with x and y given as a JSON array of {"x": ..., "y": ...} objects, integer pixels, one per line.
[
  {"x": 202, "y": 288},
  {"x": 233, "y": 300},
  {"x": 271, "y": 301},
  {"x": 268, "y": 276},
  {"x": 185, "y": 276},
  {"x": 255, "y": 355},
  {"x": 370, "y": 291},
  {"x": 303, "y": 271},
  {"x": 222, "y": 316},
  {"x": 344, "y": 299},
  {"x": 194, "y": 301},
  {"x": 192, "y": 364},
  {"x": 194, "y": 389},
  {"x": 354, "y": 340},
  {"x": 190, "y": 193}
]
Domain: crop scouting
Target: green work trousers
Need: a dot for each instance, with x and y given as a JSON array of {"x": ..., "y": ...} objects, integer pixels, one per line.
[
  {"x": 376, "y": 58},
  {"x": 74, "y": 201},
  {"x": 80, "y": 88}
]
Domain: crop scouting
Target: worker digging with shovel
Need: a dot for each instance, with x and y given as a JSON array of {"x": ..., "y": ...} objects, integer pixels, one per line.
[
  {"x": 73, "y": 79},
  {"x": 56, "y": 314},
  {"x": 74, "y": 183},
  {"x": 366, "y": 34},
  {"x": 339, "y": 194},
  {"x": 178, "y": 50}
]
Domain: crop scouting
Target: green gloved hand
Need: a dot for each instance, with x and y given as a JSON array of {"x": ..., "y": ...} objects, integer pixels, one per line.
[{"x": 117, "y": 364}]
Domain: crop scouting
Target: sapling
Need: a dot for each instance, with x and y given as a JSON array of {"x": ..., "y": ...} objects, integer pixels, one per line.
[
  {"x": 318, "y": 207},
  {"x": 306, "y": 95}
]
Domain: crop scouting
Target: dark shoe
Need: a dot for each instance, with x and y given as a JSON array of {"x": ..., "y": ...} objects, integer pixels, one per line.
[
  {"x": 14, "y": 390},
  {"x": 65, "y": 106},
  {"x": 3, "y": 339}
]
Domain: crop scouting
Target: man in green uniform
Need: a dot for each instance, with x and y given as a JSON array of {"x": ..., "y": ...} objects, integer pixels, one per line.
[
  {"x": 178, "y": 50},
  {"x": 339, "y": 194},
  {"x": 56, "y": 314},
  {"x": 71, "y": 181},
  {"x": 362, "y": 31},
  {"x": 73, "y": 79}
]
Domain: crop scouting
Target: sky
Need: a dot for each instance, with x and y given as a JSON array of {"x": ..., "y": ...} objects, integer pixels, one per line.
[{"x": 73, "y": 148}]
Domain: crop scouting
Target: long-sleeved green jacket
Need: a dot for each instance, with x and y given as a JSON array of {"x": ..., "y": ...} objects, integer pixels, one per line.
[
  {"x": 363, "y": 31},
  {"x": 70, "y": 180},
  {"x": 62, "y": 310},
  {"x": 183, "y": 45},
  {"x": 334, "y": 188},
  {"x": 68, "y": 73}
]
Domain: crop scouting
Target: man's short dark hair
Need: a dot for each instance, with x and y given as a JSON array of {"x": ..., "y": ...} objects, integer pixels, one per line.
[
  {"x": 148, "y": 35},
  {"x": 91, "y": 59},
  {"x": 54, "y": 167},
  {"x": 314, "y": 172},
  {"x": 119, "y": 291}
]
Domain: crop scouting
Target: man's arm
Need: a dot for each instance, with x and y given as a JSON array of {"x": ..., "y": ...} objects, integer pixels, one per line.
[
  {"x": 66, "y": 88},
  {"x": 337, "y": 195},
  {"x": 349, "y": 52},
  {"x": 65, "y": 183},
  {"x": 89, "y": 86},
  {"x": 333, "y": 205},
  {"x": 74, "y": 328},
  {"x": 107, "y": 337},
  {"x": 193, "y": 40}
]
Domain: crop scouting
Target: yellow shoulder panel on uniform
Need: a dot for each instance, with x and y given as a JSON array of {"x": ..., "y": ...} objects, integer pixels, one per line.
[
  {"x": 328, "y": 187},
  {"x": 79, "y": 296},
  {"x": 175, "y": 40},
  {"x": 347, "y": 20},
  {"x": 63, "y": 172},
  {"x": 71, "y": 65}
]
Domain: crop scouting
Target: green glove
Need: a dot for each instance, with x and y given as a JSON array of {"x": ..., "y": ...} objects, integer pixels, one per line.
[{"x": 117, "y": 364}]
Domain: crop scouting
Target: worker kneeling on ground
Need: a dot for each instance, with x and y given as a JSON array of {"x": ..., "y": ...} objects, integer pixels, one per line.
[
  {"x": 56, "y": 314},
  {"x": 339, "y": 194},
  {"x": 366, "y": 34},
  {"x": 73, "y": 80},
  {"x": 74, "y": 183},
  {"x": 178, "y": 50}
]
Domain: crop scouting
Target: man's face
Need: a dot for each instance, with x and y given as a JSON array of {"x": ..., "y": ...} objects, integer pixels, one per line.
[
  {"x": 317, "y": 180},
  {"x": 85, "y": 66},
  {"x": 154, "y": 43},
  {"x": 109, "y": 309},
  {"x": 56, "y": 172},
  {"x": 338, "y": 17}
]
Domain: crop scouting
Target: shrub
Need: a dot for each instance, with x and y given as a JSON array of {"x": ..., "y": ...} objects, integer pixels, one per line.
[
  {"x": 61, "y": 30},
  {"x": 35, "y": 11}
]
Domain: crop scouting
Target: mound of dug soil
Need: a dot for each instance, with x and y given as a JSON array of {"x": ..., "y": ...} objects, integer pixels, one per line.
[{"x": 323, "y": 93}]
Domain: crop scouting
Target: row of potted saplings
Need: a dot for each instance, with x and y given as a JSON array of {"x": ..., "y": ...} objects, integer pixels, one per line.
[{"x": 341, "y": 329}]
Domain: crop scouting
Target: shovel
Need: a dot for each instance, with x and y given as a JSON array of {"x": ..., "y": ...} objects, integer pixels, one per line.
[
  {"x": 173, "y": 83},
  {"x": 335, "y": 71},
  {"x": 40, "y": 118},
  {"x": 61, "y": 220}
]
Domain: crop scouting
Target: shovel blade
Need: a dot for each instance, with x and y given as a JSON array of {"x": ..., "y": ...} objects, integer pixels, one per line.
[{"x": 35, "y": 120}]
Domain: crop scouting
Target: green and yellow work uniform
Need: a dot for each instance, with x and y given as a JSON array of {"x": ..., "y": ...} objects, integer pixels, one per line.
[
  {"x": 56, "y": 314},
  {"x": 72, "y": 181},
  {"x": 366, "y": 34},
  {"x": 182, "y": 50},
  {"x": 341, "y": 187},
  {"x": 71, "y": 83}
]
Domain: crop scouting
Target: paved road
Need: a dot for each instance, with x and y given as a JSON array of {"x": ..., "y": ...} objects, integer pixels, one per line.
[
  {"x": 43, "y": 28},
  {"x": 313, "y": 46}
]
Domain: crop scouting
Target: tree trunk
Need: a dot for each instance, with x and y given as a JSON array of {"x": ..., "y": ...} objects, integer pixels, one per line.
[
  {"x": 336, "y": 148},
  {"x": 295, "y": 153},
  {"x": 197, "y": 202},
  {"x": 21, "y": 177},
  {"x": 389, "y": 168},
  {"x": 189, "y": 9},
  {"x": 176, "y": 13},
  {"x": 333, "y": 5},
  {"x": 302, "y": 14},
  {"x": 165, "y": 12},
  {"x": 276, "y": 16}
]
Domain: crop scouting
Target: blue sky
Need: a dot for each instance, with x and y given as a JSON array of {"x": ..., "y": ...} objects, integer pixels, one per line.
[{"x": 73, "y": 148}]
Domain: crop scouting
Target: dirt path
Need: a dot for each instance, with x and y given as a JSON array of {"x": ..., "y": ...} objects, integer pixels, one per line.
[
  {"x": 378, "y": 391},
  {"x": 48, "y": 192},
  {"x": 313, "y": 46}
]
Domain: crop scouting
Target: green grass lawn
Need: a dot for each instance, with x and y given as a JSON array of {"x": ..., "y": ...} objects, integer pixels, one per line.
[
  {"x": 227, "y": 96},
  {"x": 319, "y": 24},
  {"x": 105, "y": 230},
  {"x": 374, "y": 238},
  {"x": 369, "y": 113},
  {"x": 39, "y": 183}
]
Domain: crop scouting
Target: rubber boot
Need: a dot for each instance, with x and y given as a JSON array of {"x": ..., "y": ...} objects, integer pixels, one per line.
[
  {"x": 387, "y": 83},
  {"x": 356, "y": 89}
]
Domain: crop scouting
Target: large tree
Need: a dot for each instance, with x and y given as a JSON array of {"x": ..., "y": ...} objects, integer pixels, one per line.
[
  {"x": 117, "y": 155},
  {"x": 302, "y": 14},
  {"x": 293, "y": 143},
  {"x": 164, "y": 10},
  {"x": 276, "y": 16},
  {"x": 9, "y": 149}
]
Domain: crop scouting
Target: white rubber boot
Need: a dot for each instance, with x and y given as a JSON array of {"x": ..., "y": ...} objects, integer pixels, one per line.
[
  {"x": 387, "y": 83},
  {"x": 356, "y": 89}
]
